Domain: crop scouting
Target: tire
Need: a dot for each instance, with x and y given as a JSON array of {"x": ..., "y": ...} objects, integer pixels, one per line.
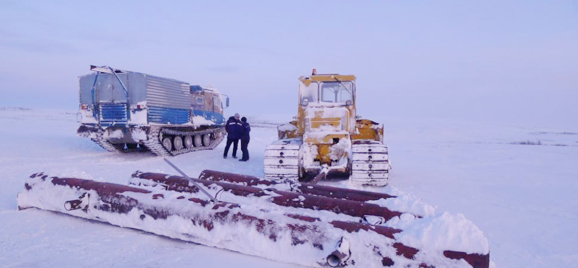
[
  {"x": 198, "y": 141},
  {"x": 188, "y": 142},
  {"x": 206, "y": 140},
  {"x": 178, "y": 143},
  {"x": 167, "y": 143}
]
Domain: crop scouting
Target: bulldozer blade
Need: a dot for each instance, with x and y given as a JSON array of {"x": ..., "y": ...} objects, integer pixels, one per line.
[{"x": 311, "y": 240}]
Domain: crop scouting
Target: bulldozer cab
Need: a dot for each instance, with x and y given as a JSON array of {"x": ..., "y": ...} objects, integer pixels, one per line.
[
  {"x": 336, "y": 93},
  {"x": 326, "y": 102},
  {"x": 327, "y": 89}
]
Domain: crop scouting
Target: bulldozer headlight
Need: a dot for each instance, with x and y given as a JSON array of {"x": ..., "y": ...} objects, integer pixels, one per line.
[
  {"x": 349, "y": 103},
  {"x": 304, "y": 102}
]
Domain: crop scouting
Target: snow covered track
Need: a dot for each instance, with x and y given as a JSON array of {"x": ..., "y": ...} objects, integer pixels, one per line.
[
  {"x": 370, "y": 163},
  {"x": 282, "y": 159},
  {"x": 240, "y": 223},
  {"x": 97, "y": 138},
  {"x": 190, "y": 140}
]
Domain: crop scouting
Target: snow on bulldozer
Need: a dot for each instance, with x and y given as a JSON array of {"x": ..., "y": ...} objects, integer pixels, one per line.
[
  {"x": 306, "y": 224},
  {"x": 328, "y": 139}
]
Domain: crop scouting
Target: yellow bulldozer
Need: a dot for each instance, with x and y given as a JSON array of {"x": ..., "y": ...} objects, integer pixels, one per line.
[{"x": 327, "y": 140}]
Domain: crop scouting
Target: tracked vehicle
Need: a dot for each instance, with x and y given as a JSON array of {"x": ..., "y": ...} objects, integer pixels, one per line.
[
  {"x": 125, "y": 111},
  {"x": 328, "y": 139}
]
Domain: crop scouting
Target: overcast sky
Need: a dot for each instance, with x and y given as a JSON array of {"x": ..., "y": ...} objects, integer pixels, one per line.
[{"x": 497, "y": 61}]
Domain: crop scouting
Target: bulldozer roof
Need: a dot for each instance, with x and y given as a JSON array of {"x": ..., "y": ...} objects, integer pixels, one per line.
[{"x": 326, "y": 78}]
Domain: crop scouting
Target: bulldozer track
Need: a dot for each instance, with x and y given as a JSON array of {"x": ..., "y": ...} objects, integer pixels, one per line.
[
  {"x": 370, "y": 163},
  {"x": 282, "y": 161}
]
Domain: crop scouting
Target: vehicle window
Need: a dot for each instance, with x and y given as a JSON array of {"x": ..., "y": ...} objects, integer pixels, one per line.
[
  {"x": 217, "y": 105},
  {"x": 336, "y": 92}
]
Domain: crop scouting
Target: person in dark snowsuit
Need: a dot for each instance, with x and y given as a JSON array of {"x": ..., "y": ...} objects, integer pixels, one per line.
[
  {"x": 245, "y": 139},
  {"x": 234, "y": 132}
]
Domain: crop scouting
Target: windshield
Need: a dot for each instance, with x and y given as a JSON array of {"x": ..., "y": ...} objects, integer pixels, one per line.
[{"x": 336, "y": 92}]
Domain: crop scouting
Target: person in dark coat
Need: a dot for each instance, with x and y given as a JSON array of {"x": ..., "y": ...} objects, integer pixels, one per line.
[
  {"x": 245, "y": 139},
  {"x": 234, "y": 132}
]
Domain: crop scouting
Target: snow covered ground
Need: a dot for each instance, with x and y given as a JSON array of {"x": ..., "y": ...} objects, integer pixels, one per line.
[{"x": 516, "y": 183}]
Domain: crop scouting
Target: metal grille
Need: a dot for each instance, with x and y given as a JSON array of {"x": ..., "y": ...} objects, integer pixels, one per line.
[
  {"x": 168, "y": 93},
  {"x": 113, "y": 114},
  {"x": 161, "y": 115}
]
